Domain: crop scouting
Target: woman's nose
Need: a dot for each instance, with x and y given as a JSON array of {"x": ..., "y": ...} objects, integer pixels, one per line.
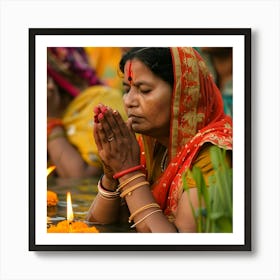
[{"x": 130, "y": 98}]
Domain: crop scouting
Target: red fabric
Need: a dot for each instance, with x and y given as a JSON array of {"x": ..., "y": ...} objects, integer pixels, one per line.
[
  {"x": 62, "y": 82},
  {"x": 70, "y": 69},
  {"x": 197, "y": 117},
  {"x": 52, "y": 123}
]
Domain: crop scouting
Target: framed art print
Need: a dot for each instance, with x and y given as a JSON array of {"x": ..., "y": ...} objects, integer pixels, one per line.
[{"x": 58, "y": 207}]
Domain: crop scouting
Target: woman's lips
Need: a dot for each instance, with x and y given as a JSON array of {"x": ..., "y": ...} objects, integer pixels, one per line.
[{"x": 133, "y": 116}]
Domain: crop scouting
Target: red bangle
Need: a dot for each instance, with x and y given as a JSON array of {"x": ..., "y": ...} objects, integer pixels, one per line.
[
  {"x": 53, "y": 123},
  {"x": 126, "y": 171}
]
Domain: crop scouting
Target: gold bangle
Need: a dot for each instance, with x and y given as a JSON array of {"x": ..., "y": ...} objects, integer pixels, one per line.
[
  {"x": 147, "y": 206},
  {"x": 145, "y": 217},
  {"x": 134, "y": 187},
  {"x": 107, "y": 194},
  {"x": 60, "y": 134},
  {"x": 123, "y": 184}
]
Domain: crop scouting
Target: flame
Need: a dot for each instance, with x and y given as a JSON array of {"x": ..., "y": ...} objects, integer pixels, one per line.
[
  {"x": 50, "y": 170},
  {"x": 70, "y": 215}
]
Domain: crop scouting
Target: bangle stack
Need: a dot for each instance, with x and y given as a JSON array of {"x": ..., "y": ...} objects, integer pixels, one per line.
[
  {"x": 145, "y": 217},
  {"x": 147, "y": 206},
  {"x": 129, "y": 191},
  {"x": 112, "y": 195},
  {"x": 105, "y": 193},
  {"x": 141, "y": 209},
  {"x": 123, "y": 184}
]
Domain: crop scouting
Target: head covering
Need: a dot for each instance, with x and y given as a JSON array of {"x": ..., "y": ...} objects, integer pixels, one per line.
[
  {"x": 70, "y": 69},
  {"x": 197, "y": 117}
]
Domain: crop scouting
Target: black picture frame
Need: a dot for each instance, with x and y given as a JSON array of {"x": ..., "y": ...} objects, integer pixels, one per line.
[{"x": 243, "y": 34}]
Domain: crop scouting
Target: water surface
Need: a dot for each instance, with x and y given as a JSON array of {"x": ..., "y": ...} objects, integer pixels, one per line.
[{"x": 83, "y": 192}]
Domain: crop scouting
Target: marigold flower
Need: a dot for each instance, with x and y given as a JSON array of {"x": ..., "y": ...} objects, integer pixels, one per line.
[
  {"x": 52, "y": 198},
  {"x": 76, "y": 227}
]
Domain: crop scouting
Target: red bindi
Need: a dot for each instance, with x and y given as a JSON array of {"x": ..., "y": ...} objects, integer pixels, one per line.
[{"x": 129, "y": 72}]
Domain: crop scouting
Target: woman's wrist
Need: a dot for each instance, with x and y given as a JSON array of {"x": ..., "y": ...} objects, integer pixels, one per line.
[
  {"x": 109, "y": 184},
  {"x": 53, "y": 123},
  {"x": 56, "y": 132}
]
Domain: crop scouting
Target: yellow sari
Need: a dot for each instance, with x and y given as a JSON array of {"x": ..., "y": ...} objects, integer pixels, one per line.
[{"x": 78, "y": 119}]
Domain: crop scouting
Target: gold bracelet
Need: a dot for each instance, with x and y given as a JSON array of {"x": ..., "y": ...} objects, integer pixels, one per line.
[
  {"x": 147, "y": 206},
  {"x": 123, "y": 184},
  {"x": 60, "y": 134},
  {"x": 141, "y": 220},
  {"x": 134, "y": 187},
  {"x": 107, "y": 194}
]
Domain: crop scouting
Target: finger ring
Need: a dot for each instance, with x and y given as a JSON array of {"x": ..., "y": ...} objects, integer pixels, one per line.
[{"x": 110, "y": 139}]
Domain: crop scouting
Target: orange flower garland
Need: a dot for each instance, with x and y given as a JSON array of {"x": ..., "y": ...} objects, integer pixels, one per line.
[
  {"x": 65, "y": 226},
  {"x": 75, "y": 227}
]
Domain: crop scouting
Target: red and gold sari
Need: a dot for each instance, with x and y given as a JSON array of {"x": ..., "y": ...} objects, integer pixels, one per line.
[{"x": 197, "y": 117}]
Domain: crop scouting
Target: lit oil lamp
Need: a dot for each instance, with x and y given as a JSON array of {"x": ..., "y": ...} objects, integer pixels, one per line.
[
  {"x": 50, "y": 170},
  {"x": 70, "y": 214},
  {"x": 69, "y": 225}
]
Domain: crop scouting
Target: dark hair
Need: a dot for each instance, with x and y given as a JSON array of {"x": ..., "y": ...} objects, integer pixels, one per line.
[{"x": 158, "y": 60}]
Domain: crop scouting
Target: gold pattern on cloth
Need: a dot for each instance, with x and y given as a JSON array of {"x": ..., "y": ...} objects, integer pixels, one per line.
[
  {"x": 186, "y": 117},
  {"x": 197, "y": 117}
]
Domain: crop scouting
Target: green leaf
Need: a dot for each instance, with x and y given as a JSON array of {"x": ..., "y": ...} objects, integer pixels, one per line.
[{"x": 216, "y": 213}]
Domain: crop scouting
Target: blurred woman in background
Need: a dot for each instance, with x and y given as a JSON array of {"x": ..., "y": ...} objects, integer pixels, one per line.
[{"x": 73, "y": 89}]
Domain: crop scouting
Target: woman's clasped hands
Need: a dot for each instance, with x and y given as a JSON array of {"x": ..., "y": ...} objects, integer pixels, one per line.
[{"x": 116, "y": 142}]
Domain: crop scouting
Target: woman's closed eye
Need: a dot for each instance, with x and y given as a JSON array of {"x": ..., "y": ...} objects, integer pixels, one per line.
[{"x": 144, "y": 90}]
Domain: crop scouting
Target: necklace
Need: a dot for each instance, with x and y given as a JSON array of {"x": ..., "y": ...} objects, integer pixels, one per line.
[{"x": 163, "y": 163}]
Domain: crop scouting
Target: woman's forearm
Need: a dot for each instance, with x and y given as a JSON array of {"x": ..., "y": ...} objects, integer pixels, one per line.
[
  {"x": 104, "y": 210},
  {"x": 67, "y": 158},
  {"x": 151, "y": 219},
  {"x": 108, "y": 209}
]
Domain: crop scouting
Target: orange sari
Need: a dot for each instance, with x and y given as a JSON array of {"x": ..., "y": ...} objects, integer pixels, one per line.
[{"x": 197, "y": 117}]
